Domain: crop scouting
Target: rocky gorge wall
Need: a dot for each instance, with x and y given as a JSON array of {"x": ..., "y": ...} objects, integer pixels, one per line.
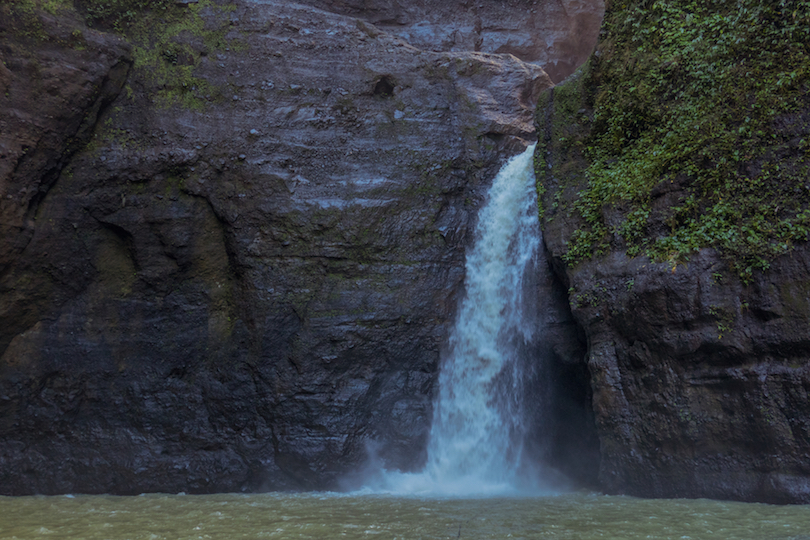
[
  {"x": 233, "y": 234},
  {"x": 673, "y": 175}
]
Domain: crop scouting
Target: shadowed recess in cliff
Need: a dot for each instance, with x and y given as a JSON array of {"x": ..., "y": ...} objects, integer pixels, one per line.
[{"x": 481, "y": 418}]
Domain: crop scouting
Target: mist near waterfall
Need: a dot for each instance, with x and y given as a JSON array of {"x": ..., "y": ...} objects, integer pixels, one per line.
[{"x": 480, "y": 431}]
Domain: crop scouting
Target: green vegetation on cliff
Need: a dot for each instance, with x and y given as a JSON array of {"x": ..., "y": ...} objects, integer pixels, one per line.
[
  {"x": 689, "y": 128},
  {"x": 169, "y": 39},
  {"x": 169, "y": 50}
]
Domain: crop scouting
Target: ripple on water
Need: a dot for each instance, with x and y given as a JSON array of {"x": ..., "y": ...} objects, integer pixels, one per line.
[{"x": 318, "y": 515}]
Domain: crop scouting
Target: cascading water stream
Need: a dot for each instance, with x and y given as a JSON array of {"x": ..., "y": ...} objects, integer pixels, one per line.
[
  {"x": 477, "y": 438},
  {"x": 478, "y": 431}
]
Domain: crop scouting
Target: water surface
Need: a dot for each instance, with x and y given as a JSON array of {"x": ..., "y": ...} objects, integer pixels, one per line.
[{"x": 318, "y": 515}]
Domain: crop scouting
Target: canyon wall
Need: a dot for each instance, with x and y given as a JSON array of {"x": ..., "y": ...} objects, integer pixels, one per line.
[
  {"x": 558, "y": 35},
  {"x": 233, "y": 234},
  {"x": 232, "y": 238},
  {"x": 673, "y": 175}
]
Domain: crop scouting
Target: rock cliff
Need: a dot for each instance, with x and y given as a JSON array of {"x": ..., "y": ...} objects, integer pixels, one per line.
[
  {"x": 673, "y": 176},
  {"x": 558, "y": 35},
  {"x": 232, "y": 242}
]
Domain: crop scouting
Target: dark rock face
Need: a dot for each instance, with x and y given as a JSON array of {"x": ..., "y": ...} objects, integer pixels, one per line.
[
  {"x": 699, "y": 380},
  {"x": 558, "y": 35},
  {"x": 558, "y": 388},
  {"x": 52, "y": 97},
  {"x": 245, "y": 291}
]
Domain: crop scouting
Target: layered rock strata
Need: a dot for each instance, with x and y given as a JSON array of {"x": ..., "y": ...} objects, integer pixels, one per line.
[
  {"x": 245, "y": 278},
  {"x": 558, "y": 35}
]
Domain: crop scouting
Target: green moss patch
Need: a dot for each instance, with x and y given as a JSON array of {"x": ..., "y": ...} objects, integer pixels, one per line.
[
  {"x": 169, "y": 44},
  {"x": 23, "y": 18},
  {"x": 692, "y": 127},
  {"x": 120, "y": 14},
  {"x": 169, "y": 40}
]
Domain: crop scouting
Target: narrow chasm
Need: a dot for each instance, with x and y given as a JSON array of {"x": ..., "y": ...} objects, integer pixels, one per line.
[{"x": 563, "y": 432}]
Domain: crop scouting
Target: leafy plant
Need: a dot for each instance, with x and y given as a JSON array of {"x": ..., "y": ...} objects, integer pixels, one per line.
[
  {"x": 161, "y": 34},
  {"x": 707, "y": 101}
]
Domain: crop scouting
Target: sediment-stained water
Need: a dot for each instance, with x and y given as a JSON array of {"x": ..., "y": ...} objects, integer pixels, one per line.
[{"x": 318, "y": 515}]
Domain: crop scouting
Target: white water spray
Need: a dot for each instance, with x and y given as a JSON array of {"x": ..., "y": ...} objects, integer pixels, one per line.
[{"x": 476, "y": 444}]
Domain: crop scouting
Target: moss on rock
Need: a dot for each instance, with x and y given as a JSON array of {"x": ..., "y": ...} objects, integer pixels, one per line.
[{"x": 688, "y": 128}]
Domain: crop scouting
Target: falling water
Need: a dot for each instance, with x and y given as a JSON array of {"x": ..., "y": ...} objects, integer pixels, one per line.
[{"x": 477, "y": 438}]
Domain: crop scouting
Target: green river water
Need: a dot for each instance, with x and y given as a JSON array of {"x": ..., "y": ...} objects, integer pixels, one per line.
[{"x": 318, "y": 515}]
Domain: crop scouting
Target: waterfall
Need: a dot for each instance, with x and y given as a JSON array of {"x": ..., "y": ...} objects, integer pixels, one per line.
[
  {"x": 477, "y": 438},
  {"x": 478, "y": 430}
]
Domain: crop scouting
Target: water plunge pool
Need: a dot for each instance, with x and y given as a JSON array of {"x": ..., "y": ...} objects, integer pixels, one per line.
[{"x": 581, "y": 516}]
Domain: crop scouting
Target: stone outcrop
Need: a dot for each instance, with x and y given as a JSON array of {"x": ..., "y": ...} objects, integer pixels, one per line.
[
  {"x": 558, "y": 35},
  {"x": 53, "y": 92},
  {"x": 699, "y": 373},
  {"x": 699, "y": 381},
  {"x": 245, "y": 278}
]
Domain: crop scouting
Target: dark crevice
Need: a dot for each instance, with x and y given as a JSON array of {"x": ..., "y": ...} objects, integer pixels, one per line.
[
  {"x": 125, "y": 237},
  {"x": 384, "y": 87},
  {"x": 573, "y": 443}
]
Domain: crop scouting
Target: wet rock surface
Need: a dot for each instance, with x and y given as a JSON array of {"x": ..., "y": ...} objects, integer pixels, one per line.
[
  {"x": 558, "y": 35},
  {"x": 699, "y": 380},
  {"x": 245, "y": 279},
  {"x": 52, "y": 96}
]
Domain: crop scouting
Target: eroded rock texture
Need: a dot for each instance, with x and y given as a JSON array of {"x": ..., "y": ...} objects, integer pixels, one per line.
[
  {"x": 559, "y": 34},
  {"x": 700, "y": 380},
  {"x": 246, "y": 277}
]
